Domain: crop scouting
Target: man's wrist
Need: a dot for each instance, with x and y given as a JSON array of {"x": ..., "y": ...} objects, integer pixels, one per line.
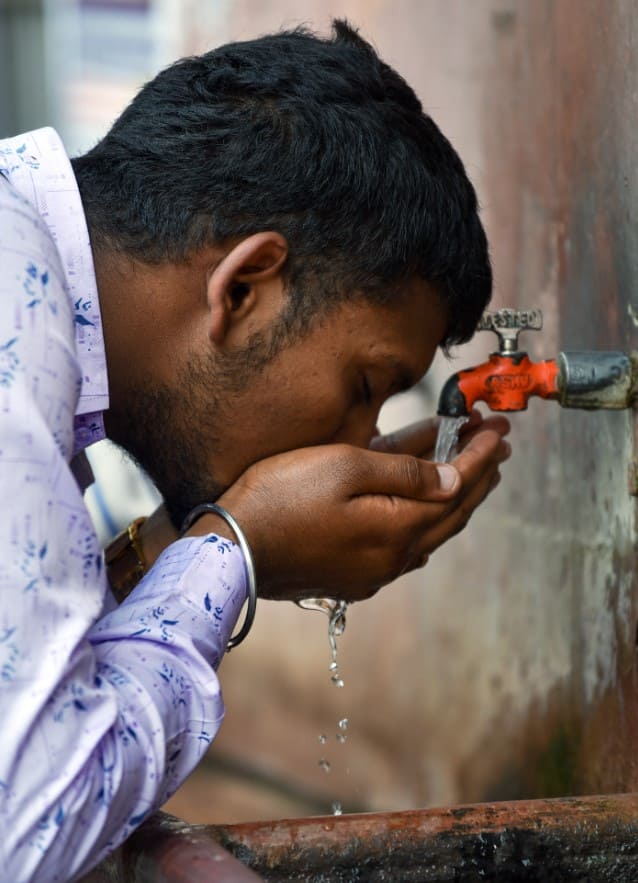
[
  {"x": 215, "y": 510},
  {"x": 127, "y": 555},
  {"x": 210, "y": 523}
]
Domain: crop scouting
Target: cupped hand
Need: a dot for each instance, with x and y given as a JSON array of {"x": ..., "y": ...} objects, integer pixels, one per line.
[
  {"x": 341, "y": 521},
  {"x": 419, "y": 440}
]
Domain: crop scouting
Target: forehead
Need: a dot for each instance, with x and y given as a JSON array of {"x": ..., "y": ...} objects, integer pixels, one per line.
[{"x": 402, "y": 336}]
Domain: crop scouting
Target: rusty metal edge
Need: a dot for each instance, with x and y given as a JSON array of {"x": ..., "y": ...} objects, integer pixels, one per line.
[
  {"x": 593, "y": 838},
  {"x": 585, "y": 838}
]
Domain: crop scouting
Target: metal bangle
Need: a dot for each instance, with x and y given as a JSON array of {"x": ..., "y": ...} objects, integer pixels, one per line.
[{"x": 249, "y": 562}]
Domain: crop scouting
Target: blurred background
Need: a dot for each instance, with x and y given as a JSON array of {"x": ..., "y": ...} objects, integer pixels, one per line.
[{"x": 506, "y": 668}]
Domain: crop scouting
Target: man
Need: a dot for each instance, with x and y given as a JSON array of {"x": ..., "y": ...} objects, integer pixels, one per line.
[{"x": 279, "y": 241}]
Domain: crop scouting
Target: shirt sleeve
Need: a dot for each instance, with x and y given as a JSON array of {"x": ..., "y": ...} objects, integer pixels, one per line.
[{"x": 103, "y": 718}]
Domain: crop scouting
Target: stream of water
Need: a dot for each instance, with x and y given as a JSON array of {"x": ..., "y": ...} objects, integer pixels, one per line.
[
  {"x": 336, "y": 612},
  {"x": 447, "y": 438}
]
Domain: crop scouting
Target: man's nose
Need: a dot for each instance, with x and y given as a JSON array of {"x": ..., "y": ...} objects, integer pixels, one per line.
[{"x": 358, "y": 431}]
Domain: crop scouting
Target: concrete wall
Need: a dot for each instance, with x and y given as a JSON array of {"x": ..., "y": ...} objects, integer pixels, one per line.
[{"x": 507, "y": 667}]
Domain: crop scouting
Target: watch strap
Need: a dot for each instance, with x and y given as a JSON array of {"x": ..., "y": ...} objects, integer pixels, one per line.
[{"x": 124, "y": 559}]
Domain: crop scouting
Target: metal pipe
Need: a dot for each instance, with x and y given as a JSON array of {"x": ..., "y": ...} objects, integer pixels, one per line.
[{"x": 592, "y": 380}]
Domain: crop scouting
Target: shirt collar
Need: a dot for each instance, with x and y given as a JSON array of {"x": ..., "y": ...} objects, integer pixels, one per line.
[{"x": 37, "y": 165}]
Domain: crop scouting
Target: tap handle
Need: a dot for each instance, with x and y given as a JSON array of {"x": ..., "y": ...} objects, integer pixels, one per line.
[{"x": 508, "y": 324}]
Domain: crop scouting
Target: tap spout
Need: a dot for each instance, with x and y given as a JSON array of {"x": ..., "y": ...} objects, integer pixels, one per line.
[{"x": 506, "y": 382}]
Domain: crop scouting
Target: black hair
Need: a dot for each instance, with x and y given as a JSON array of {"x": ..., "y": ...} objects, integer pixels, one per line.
[{"x": 316, "y": 138}]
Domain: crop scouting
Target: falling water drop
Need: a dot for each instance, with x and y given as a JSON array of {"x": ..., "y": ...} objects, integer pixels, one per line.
[
  {"x": 336, "y": 611},
  {"x": 336, "y": 628},
  {"x": 343, "y": 726}
]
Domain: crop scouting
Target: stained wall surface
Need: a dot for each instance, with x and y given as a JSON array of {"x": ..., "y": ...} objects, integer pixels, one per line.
[{"x": 507, "y": 667}]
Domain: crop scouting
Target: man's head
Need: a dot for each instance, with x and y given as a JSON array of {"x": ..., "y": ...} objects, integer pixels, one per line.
[{"x": 322, "y": 150}]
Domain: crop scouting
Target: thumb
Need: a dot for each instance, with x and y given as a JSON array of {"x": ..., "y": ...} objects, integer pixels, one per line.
[{"x": 401, "y": 475}]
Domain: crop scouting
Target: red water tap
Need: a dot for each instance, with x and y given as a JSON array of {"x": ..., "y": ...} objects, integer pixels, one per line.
[
  {"x": 585, "y": 379},
  {"x": 506, "y": 382},
  {"x": 509, "y": 378}
]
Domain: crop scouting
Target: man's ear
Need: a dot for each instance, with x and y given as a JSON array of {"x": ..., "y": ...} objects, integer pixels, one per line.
[{"x": 232, "y": 289}]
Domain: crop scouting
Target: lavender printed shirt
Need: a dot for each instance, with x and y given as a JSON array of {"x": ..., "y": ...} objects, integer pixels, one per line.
[{"x": 104, "y": 713}]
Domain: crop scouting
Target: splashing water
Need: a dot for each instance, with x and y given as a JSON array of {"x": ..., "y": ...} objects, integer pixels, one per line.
[
  {"x": 447, "y": 438},
  {"x": 337, "y": 809}
]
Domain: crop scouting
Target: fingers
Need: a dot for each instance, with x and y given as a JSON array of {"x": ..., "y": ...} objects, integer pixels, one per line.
[
  {"x": 419, "y": 439},
  {"x": 497, "y": 423},
  {"x": 421, "y": 514},
  {"x": 478, "y": 466},
  {"x": 416, "y": 439},
  {"x": 400, "y": 475},
  {"x": 484, "y": 446},
  {"x": 452, "y": 523},
  {"x": 475, "y": 420}
]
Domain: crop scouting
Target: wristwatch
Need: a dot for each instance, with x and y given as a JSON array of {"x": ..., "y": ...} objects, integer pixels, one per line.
[{"x": 124, "y": 559}]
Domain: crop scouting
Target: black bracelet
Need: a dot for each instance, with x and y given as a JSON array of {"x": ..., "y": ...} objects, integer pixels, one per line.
[{"x": 249, "y": 562}]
